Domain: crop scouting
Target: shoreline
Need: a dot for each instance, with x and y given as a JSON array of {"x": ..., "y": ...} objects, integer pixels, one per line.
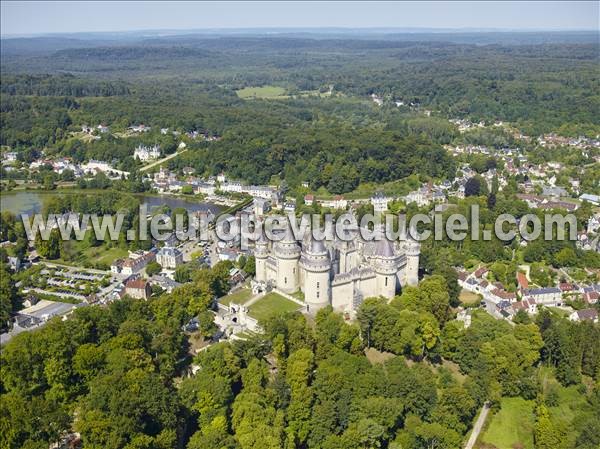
[{"x": 70, "y": 191}]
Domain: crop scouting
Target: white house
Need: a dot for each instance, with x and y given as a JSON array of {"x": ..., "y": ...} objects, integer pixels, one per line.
[
  {"x": 169, "y": 257},
  {"x": 380, "y": 203},
  {"x": 144, "y": 153},
  {"x": 141, "y": 128},
  {"x": 338, "y": 202},
  {"x": 232, "y": 186},
  {"x": 594, "y": 199}
]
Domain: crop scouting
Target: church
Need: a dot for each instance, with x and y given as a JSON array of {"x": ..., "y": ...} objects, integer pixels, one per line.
[{"x": 338, "y": 273}]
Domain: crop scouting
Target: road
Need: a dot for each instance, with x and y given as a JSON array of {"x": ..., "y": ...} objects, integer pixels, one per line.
[
  {"x": 164, "y": 159},
  {"x": 478, "y": 426}
]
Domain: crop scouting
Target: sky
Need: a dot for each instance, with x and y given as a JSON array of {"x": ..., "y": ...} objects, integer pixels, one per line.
[{"x": 31, "y": 17}]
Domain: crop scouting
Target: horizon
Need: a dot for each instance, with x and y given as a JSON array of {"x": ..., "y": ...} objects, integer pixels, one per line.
[
  {"x": 39, "y": 19},
  {"x": 384, "y": 31}
]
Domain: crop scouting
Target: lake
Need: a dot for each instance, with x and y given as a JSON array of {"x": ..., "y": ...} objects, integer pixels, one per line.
[{"x": 28, "y": 202}]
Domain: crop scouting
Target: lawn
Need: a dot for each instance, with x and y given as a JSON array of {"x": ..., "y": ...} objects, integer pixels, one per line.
[
  {"x": 100, "y": 254},
  {"x": 512, "y": 426},
  {"x": 240, "y": 296},
  {"x": 260, "y": 92},
  {"x": 271, "y": 304},
  {"x": 468, "y": 298},
  {"x": 78, "y": 253}
]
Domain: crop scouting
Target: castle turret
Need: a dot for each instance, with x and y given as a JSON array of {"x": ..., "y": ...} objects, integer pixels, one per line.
[
  {"x": 287, "y": 253},
  {"x": 261, "y": 253},
  {"x": 316, "y": 263},
  {"x": 385, "y": 264},
  {"x": 412, "y": 249}
]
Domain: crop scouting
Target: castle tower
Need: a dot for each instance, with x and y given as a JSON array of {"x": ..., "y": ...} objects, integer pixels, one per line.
[
  {"x": 316, "y": 264},
  {"x": 385, "y": 264},
  {"x": 287, "y": 253},
  {"x": 411, "y": 270},
  {"x": 261, "y": 253}
]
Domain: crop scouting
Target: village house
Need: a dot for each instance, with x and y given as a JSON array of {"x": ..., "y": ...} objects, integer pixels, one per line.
[
  {"x": 231, "y": 186},
  {"x": 591, "y": 297},
  {"x": 545, "y": 296},
  {"x": 258, "y": 191},
  {"x": 528, "y": 305},
  {"x": 594, "y": 199},
  {"x": 134, "y": 263},
  {"x": 10, "y": 157},
  {"x": 137, "y": 289},
  {"x": 554, "y": 191},
  {"x": 204, "y": 188},
  {"x": 585, "y": 315},
  {"x": 338, "y": 202},
  {"x": 289, "y": 207},
  {"x": 141, "y": 128},
  {"x": 93, "y": 167},
  {"x": 164, "y": 282}
]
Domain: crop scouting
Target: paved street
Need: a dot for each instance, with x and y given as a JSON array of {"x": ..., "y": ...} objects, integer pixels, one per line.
[{"x": 478, "y": 426}]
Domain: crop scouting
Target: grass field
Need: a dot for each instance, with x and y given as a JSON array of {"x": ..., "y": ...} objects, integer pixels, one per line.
[
  {"x": 512, "y": 426},
  {"x": 240, "y": 296},
  {"x": 467, "y": 297},
  {"x": 80, "y": 254},
  {"x": 271, "y": 304},
  {"x": 102, "y": 255},
  {"x": 260, "y": 92}
]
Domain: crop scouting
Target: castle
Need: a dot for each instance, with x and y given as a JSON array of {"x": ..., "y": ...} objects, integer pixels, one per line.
[{"x": 338, "y": 273}]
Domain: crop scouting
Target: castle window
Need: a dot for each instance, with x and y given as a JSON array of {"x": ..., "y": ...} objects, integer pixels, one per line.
[
  {"x": 317, "y": 294},
  {"x": 294, "y": 271},
  {"x": 318, "y": 284},
  {"x": 386, "y": 281},
  {"x": 285, "y": 280}
]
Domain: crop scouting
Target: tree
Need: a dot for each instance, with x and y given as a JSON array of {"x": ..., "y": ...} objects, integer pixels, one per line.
[
  {"x": 153, "y": 268},
  {"x": 298, "y": 376},
  {"x": 49, "y": 249},
  {"x": 475, "y": 186},
  {"x": 49, "y": 182},
  {"x": 546, "y": 435},
  {"x": 9, "y": 297},
  {"x": 566, "y": 257},
  {"x": 250, "y": 266}
]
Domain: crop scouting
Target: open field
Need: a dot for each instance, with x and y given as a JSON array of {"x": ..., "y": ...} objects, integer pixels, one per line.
[
  {"x": 240, "y": 296},
  {"x": 378, "y": 357},
  {"x": 260, "y": 92},
  {"x": 103, "y": 255},
  {"x": 467, "y": 297},
  {"x": 512, "y": 426},
  {"x": 271, "y": 304}
]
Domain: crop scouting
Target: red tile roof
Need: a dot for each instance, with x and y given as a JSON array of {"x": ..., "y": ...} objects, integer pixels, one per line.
[
  {"x": 138, "y": 284},
  {"x": 522, "y": 280}
]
